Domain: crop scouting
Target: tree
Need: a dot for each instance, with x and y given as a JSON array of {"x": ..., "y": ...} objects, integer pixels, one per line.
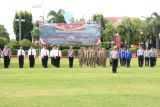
[
  {"x": 4, "y": 36},
  {"x": 26, "y": 27},
  {"x": 35, "y": 34},
  {"x": 126, "y": 30},
  {"x": 98, "y": 18},
  {"x": 56, "y": 17},
  {"x": 155, "y": 17}
]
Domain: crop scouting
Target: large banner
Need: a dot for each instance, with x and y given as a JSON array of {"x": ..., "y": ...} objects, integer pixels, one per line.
[{"x": 70, "y": 34}]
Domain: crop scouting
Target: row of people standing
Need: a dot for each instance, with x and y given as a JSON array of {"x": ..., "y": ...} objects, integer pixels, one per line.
[
  {"x": 148, "y": 55},
  {"x": 92, "y": 56}
]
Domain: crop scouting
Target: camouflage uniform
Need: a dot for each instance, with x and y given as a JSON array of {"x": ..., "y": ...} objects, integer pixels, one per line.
[
  {"x": 81, "y": 56},
  {"x": 103, "y": 57}
]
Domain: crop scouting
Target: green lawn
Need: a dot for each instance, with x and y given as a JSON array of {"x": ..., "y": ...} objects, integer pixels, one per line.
[{"x": 79, "y": 87}]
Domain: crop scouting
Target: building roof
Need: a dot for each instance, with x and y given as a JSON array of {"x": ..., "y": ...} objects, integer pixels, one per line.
[{"x": 115, "y": 19}]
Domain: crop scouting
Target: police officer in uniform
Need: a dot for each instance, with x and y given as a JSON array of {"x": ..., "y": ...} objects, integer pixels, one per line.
[
  {"x": 140, "y": 54},
  {"x": 7, "y": 55},
  {"x": 58, "y": 55},
  {"x": 152, "y": 57},
  {"x": 52, "y": 55},
  {"x": 114, "y": 58},
  {"x": 45, "y": 56},
  {"x": 146, "y": 57},
  {"x": 71, "y": 56},
  {"x": 31, "y": 56},
  {"x": 21, "y": 56}
]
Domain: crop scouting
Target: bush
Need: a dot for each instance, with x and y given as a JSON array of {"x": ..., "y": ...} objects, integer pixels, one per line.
[{"x": 25, "y": 43}]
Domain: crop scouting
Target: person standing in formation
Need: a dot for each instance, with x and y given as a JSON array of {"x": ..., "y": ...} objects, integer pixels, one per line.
[
  {"x": 21, "y": 56},
  {"x": 156, "y": 56},
  {"x": 152, "y": 55},
  {"x": 85, "y": 56},
  {"x": 128, "y": 57},
  {"x": 58, "y": 55},
  {"x": 93, "y": 56},
  {"x": 81, "y": 56},
  {"x": 31, "y": 56},
  {"x": 140, "y": 55},
  {"x": 7, "y": 55},
  {"x": 52, "y": 55},
  {"x": 71, "y": 56},
  {"x": 122, "y": 57},
  {"x": 114, "y": 58},
  {"x": 45, "y": 56},
  {"x": 146, "y": 57},
  {"x": 104, "y": 57}
]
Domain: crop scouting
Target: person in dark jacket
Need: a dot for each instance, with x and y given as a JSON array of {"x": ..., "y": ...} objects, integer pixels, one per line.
[{"x": 128, "y": 57}]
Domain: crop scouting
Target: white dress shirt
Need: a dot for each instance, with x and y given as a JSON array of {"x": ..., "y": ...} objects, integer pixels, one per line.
[
  {"x": 58, "y": 53},
  {"x": 52, "y": 53},
  {"x": 140, "y": 52},
  {"x": 32, "y": 52},
  {"x": 146, "y": 53},
  {"x": 44, "y": 52},
  {"x": 21, "y": 52}
]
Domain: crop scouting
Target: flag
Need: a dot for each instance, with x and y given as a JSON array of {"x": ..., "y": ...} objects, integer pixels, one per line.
[
  {"x": 98, "y": 41},
  {"x": 117, "y": 41},
  {"x": 36, "y": 6},
  {"x": 42, "y": 41}
]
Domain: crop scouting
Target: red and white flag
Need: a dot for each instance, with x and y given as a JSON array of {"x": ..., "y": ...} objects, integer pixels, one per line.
[
  {"x": 98, "y": 41},
  {"x": 42, "y": 41}
]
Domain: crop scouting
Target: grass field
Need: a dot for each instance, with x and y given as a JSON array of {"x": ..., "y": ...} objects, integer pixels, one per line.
[{"x": 79, "y": 87}]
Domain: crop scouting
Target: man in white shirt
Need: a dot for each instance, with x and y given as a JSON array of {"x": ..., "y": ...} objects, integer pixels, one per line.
[
  {"x": 31, "y": 56},
  {"x": 21, "y": 56},
  {"x": 44, "y": 56},
  {"x": 140, "y": 55},
  {"x": 114, "y": 56},
  {"x": 146, "y": 57},
  {"x": 52, "y": 55},
  {"x": 58, "y": 55}
]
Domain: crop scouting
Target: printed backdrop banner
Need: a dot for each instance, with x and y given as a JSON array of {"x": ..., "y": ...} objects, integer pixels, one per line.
[{"x": 70, "y": 34}]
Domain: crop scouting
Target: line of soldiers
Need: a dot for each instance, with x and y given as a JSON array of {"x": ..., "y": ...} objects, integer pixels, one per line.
[
  {"x": 92, "y": 56},
  {"x": 148, "y": 55}
]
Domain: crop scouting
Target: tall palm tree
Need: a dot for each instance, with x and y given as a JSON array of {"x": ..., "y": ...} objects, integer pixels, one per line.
[
  {"x": 156, "y": 26},
  {"x": 56, "y": 17}
]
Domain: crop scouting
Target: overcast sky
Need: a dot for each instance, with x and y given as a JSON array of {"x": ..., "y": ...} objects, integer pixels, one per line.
[{"x": 79, "y": 8}]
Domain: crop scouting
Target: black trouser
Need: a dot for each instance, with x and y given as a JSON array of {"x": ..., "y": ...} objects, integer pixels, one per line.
[
  {"x": 140, "y": 60},
  {"x": 45, "y": 61},
  {"x": 31, "y": 61},
  {"x": 71, "y": 59},
  {"x": 6, "y": 61},
  {"x": 114, "y": 65},
  {"x": 21, "y": 61},
  {"x": 152, "y": 61},
  {"x": 58, "y": 61},
  {"x": 123, "y": 61},
  {"x": 53, "y": 61},
  {"x": 128, "y": 62},
  {"x": 155, "y": 60},
  {"x": 146, "y": 61}
]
